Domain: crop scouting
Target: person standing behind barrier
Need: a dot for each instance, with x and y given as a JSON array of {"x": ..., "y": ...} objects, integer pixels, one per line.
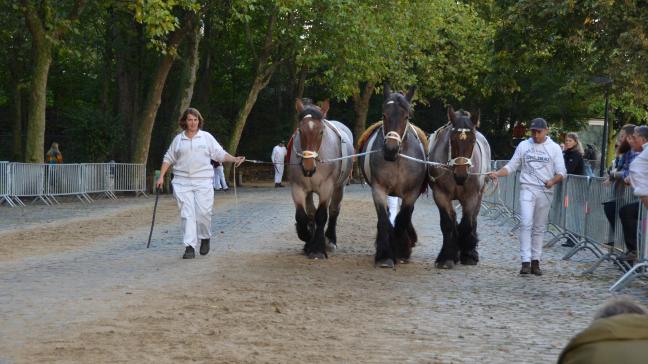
[
  {"x": 638, "y": 175},
  {"x": 542, "y": 166},
  {"x": 573, "y": 155},
  {"x": 53, "y": 155},
  {"x": 618, "y": 334},
  {"x": 279, "y": 153},
  {"x": 638, "y": 178},
  {"x": 190, "y": 154},
  {"x": 219, "y": 177}
]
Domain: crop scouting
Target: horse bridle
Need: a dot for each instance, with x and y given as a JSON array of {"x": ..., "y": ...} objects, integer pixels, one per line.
[
  {"x": 308, "y": 154},
  {"x": 392, "y": 134},
  {"x": 459, "y": 161}
]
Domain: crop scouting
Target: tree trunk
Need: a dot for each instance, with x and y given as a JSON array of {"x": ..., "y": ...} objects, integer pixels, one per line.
[
  {"x": 361, "y": 107},
  {"x": 35, "y": 142},
  {"x": 189, "y": 71},
  {"x": 153, "y": 100},
  {"x": 16, "y": 122}
]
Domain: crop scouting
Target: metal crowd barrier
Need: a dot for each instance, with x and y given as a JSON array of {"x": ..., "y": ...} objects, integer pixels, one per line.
[
  {"x": 46, "y": 182},
  {"x": 578, "y": 214},
  {"x": 641, "y": 267},
  {"x": 5, "y": 184}
]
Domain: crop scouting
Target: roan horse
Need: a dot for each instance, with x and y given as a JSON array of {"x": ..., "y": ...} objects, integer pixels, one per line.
[
  {"x": 464, "y": 157},
  {"x": 316, "y": 141},
  {"x": 390, "y": 174}
]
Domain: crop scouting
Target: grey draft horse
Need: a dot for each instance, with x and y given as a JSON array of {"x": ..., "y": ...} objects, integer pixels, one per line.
[
  {"x": 389, "y": 174},
  {"x": 315, "y": 142},
  {"x": 464, "y": 157}
]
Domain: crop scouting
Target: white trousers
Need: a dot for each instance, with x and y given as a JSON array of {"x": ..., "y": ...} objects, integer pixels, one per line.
[
  {"x": 279, "y": 169},
  {"x": 219, "y": 178},
  {"x": 534, "y": 214},
  {"x": 393, "y": 206},
  {"x": 195, "y": 198}
]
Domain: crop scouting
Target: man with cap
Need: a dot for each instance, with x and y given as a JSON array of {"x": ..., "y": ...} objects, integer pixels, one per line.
[
  {"x": 541, "y": 166},
  {"x": 278, "y": 155}
]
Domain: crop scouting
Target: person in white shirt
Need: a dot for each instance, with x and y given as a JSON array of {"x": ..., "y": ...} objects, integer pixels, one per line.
[
  {"x": 220, "y": 184},
  {"x": 638, "y": 178},
  {"x": 190, "y": 154},
  {"x": 541, "y": 166},
  {"x": 278, "y": 154}
]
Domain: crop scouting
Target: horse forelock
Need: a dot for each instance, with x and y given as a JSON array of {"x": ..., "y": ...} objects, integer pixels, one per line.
[
  {"x": 314, "y": 111},
  {"x": 399, "y": 99},
  {"x": 463, "y": 120}
]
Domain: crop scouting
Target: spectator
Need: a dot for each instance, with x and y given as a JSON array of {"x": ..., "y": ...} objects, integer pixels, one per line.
[
  {"x": 621, "y": 165},
  {"x": 638, "y": 177},
  {"x": 278, "y": 156},
  {"x": 573, "y": 154},
  {"x": 618, "y": 334},
  {"x": 53, "y": 155},
  {"x": 219, "y": 176}
]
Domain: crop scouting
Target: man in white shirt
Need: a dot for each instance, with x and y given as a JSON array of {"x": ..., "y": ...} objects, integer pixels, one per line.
[
  {"x": 278, "y": 154},
  {"x": 541, "y": 166},
  {"x": 639, "y": 167}
]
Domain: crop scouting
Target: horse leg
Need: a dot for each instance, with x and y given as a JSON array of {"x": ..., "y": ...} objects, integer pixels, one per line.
[
  {"x": 467, "y": 231},
  {"x": 302, "y": 220},
  {"x": 316, "y": 248},
  {"x": 310, "y": 211},
  {"x": 334, "y": 212},
  {"x": 402, "y": 230},
  {"x": 385, "y": 256},
  {"x": 448, "y": 256}
]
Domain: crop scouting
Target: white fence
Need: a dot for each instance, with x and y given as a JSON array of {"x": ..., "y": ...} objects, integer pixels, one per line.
[{"x": 45, "y": 182}]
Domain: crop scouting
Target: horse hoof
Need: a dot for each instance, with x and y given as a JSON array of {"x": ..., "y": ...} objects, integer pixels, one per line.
[
  {"x": 316, "y": 256},
  {"x": 403, "y": 261},
  {"x": 330, "y": 246},
  {"x": 385, "y": 263},
  {"x": 468, "y": 261},
  {"x": 448, "y": 264}
]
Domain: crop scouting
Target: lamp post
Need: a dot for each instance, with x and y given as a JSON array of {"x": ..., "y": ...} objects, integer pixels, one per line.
[{"x": 605, "y": 81}]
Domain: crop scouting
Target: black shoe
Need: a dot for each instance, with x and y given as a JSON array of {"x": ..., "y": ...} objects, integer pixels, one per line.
[
  {"x": 535, "y": 267},
  {"x": 526, "y": 268},
  {"x": 189, "y": 253},
  {"x": 277, "y": 185},
  {"x": 204, "y": 246}
]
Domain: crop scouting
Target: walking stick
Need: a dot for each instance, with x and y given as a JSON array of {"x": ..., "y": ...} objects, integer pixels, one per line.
[{"x": 157, "y": 196}]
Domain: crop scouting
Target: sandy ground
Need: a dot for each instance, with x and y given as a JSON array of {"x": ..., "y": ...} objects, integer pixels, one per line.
[{"x": 78, "y": 286}]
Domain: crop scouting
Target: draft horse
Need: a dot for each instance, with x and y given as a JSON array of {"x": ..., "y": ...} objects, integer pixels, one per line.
[
  {"x": 390, "y": 174},
  {"x": 464, "y": 157},
  {"x": 316, "y": 141}
]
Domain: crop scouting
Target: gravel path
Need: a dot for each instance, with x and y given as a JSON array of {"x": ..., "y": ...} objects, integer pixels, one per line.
[{"x": 78, "y": 285}]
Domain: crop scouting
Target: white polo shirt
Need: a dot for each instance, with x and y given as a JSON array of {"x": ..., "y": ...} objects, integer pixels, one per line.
[
  {"x": 190, "y": 158},
  {"x": 639, "y": 173}
]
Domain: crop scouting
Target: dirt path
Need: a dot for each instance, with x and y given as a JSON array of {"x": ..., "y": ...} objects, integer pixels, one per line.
[{"x": 84, "y": 289}]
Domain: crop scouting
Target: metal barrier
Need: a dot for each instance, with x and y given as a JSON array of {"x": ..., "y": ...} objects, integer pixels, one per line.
[
  {"x": 641, "y": 267},
  {"x": 28, "y": 180},
  {"x": 64, "y": 180},
  {"x": 578, "y": 213},
  {"x": 5, "y": 184},
  {"x": 130, "y": 177},
  {"x": 45, "y": 182}
]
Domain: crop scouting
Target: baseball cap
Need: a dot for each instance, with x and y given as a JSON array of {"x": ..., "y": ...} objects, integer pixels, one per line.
[{"x": 539, "y": 123}]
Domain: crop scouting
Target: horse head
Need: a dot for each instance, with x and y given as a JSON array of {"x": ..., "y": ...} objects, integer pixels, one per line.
[
  {"x": 311, "y": 132},
  {"x": 463, "y": 136},
  {"x": 396, "y": 113}
]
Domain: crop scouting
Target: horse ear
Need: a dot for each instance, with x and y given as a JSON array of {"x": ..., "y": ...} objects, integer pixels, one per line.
[
  {"x": 386, "y": 89},
  {"x": 475, "y": 118},
  {"x": 299, "y": 105},
  {"x": 451, "y": 114},
  {"x": 410, "y": 93},
  {"x": 325, "y": 107}
]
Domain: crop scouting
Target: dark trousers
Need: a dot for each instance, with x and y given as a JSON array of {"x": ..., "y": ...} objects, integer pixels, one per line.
[
  {"x": 629, "y": 215},
  {"x": 609, "y": 208}
]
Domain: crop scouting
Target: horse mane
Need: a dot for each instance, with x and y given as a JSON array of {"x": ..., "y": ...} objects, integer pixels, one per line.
[
  {"x": 316, "y": 112},
  {"x": 365, "y": 135}
]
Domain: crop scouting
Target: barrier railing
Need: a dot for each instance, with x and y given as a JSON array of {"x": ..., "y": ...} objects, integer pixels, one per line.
[
  {"x": 641, "y": 267},
  {"x": 586, "y": 211},
  {"x": 46, "y": 182},
  {"x": 5, "y": 184}
]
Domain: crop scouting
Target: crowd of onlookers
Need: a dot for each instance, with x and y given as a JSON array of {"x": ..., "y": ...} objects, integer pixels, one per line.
[{"x": 627, "y": 171}]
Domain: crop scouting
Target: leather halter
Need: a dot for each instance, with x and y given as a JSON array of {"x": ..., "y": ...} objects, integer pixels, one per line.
[{"x": 308, "y": 154}]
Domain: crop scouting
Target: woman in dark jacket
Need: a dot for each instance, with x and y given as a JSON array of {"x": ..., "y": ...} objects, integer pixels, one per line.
[{"x": 573, "y": 155}]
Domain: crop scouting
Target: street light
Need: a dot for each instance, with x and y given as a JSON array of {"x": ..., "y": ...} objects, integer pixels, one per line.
[{"x": 605, "y": 81}]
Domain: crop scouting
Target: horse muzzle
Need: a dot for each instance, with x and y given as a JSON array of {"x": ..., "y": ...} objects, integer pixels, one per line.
[{"x": 308, "y": 172}]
